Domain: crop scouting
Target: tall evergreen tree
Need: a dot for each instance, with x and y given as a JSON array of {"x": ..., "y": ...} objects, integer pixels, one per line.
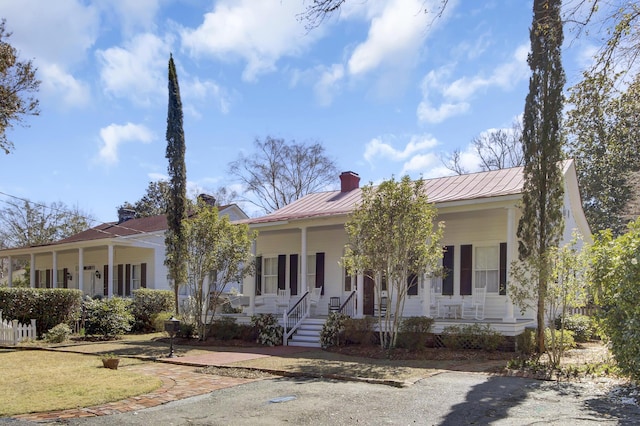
[
  {"x": 175, "y": 239},
  {"x": 541, "y": 223}
]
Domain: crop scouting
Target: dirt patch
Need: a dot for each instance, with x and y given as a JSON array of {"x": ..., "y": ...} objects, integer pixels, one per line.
[
  {"x": 435, "y": 354},
  {"x": 240, "y": 373}
]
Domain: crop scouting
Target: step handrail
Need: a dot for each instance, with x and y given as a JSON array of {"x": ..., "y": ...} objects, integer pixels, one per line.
[
  {"x": 294, "y": 317},
  {"x": 349, "y": 306}
]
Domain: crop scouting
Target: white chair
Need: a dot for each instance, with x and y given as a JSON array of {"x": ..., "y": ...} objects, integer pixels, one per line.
[
  {"x": 475, "y": 306},
  {"x": 282, "y": 300}
]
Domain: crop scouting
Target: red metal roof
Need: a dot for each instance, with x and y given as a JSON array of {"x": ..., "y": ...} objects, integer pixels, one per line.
[{"x": 472, "y": 186}]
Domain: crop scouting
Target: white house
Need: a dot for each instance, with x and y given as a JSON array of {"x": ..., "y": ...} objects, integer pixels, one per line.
[
  {"x": 111, "y": 259},
  {"x": 299, "y": 248}
]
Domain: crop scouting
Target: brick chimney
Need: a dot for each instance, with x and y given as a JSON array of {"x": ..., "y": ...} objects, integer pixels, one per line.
[
  {"x": 349, "y": 181},
  {"x": 125, "y": 214},
  {"x": 207, "y": 199}
]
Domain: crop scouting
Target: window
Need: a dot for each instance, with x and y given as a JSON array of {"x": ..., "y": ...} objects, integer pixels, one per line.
[
  {"x": 488, "y": 268},
  {"x": 60, "y": 278},
  {"x": 270, "y": 274},
  {"x": 347, "y": 281},
  {"x": 135, "y": 277}
]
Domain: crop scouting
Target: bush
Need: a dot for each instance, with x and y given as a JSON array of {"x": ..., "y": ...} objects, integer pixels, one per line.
[
  {"x": 333, "y": 329},
  {"x": 48, "y": 306},
  {"x": 526, "y": 342},
  {"x": 224, "y": 328},
  {"x": 158, "y": 320},
  {"x": 473, "y": 336},
  {"x": 267, "y": 329},
  {"x": 564, "y": 340},
  {"x": 187, "y": 330},
  {"x": 146, "y": 304},
  {"x": 358, "y": 331},
  {"x": 108, "y": 317},
  {"x": 58, "y": 334},
  {"x": 414, "y": 332},
  {"x": 581, "y": 325}
]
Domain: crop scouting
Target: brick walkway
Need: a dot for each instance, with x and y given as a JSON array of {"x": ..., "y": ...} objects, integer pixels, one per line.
[{"x": 178, "y": 382}]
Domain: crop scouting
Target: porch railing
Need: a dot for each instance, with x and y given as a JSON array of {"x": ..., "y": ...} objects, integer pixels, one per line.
[
  {"x": 349, "y": 305},
  {"x": 294, "y": 317}
]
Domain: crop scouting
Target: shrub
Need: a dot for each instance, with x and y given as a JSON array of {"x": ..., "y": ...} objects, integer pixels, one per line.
[
  {"x": 48, "y": 306},
  {"x": 358, "y": 331},
  {"x": 58, "y": 334},
  {"x": 158, "y": 320},
  {"x": 146, "y": 304},
  {"x": 108, "y": 317},
  {"x": 268, "y": 330},
  {"x": 224, "y": 328},
  {"x": 563, "y": 340},
  {"x": 581, "y": 325},
  {"x": 526, "y": 342},
  {"x": 414, "y": 332},
  {"x": 474, "y": 336},
  {"x": 187, "y": 330},
  {"x": 333, "y": 329}
]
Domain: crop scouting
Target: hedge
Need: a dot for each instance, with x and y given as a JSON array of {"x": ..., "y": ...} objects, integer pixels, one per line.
[
  {"x": 48, "y": 306},
  {"x": 147, "y": 304}
]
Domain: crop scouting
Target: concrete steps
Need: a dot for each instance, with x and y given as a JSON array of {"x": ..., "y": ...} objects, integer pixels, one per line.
[{"x": 308, "y": 334}]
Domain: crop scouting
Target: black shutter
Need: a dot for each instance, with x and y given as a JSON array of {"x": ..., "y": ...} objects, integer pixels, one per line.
[
  {"x": 143, "y": 275},
  {"x": 65, "y": 281},
  {"x": 258, "y": 275},
  {"x": 48, "y": 278},
  {"x": 105, "y": 276},
  {"x": 412, "y": 284},
  {"x": 320, "y": 271},
  {"x": 120, "y": 280},
  {"x": 293, "y": 274},
  {"x": 282, "y": 267},
  {"x": 127, "y": 280},
  {"x": 466, "y": 269},
  {"x": 447, "y": 265},
  {"x": 37, "y": 277},
  {"x": 503, "y": 269}
]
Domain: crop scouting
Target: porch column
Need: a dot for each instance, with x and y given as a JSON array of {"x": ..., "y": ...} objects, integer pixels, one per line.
[
  {"x": 251, "y": 287},
  {"x": 359, "y": 296},
  {"x": 303, "y": 261},
  {"x": 110, "y": 274},
  {"x": 32, "y": 271},
  {"x": 10, "y": 270},
  {"x": 426, "y": 295},
  {"x": 54, "y": 270},
  {"x": 80, "y": 274},
  {"x": 511, "y": 243}
]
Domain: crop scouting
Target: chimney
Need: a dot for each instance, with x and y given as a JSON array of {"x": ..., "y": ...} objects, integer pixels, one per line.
[
  {"x": 207, "y": 199},
  {"x": 349, "y": 181},
  {"x": 125, "y": 214}
]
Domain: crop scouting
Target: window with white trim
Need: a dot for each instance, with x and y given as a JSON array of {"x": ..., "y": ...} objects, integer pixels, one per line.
[
  {"x": 487, "y": 269},
  {"x": 135, "y": 277},
  {"x": 311, "y": 270},
  {"x": 270, "y": 275}
]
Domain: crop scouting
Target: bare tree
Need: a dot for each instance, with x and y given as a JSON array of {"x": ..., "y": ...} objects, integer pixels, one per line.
[
  {"x": 280, "y": 172},
  {"x": 495, "y": 149}
]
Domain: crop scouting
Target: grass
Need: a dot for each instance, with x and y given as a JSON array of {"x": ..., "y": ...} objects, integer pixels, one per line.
[{"x": 38, "y": 381}]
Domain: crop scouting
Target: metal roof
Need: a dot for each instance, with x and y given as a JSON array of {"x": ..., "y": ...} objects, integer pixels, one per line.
[{"x": 473, "y": 186}]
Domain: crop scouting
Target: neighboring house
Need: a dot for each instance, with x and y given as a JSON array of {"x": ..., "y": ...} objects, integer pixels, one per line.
[
  {"x": 299, "y": 248},
  {"x": 111, "y": 259}
]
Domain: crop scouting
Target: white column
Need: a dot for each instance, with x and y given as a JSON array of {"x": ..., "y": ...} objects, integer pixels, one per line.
[
  {"x": 303, "y": 261},
  {"x": 32, "y": 271},
  {"x": 80, "y": 274},
  {"x": 511, "y": 244},
  {"x": 359, "y": 296},
  {"x": 110, "y": 274},
  {"x": 54, "y": 272},
  {"x": 426, "y": 295},
  {"x": 10, "y": 270},
  {"x": 251, "y": 288}
]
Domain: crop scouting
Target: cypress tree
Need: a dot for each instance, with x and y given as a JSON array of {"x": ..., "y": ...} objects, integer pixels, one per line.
[
  {"x": 540, "y": 226},
  {"x": 175, "y": 241}
]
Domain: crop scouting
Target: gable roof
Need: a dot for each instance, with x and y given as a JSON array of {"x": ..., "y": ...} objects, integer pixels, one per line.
[{"x": 473, "y": 186}]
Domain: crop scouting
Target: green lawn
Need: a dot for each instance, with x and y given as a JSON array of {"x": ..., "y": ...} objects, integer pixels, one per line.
[{"x": 37, "y": 381}]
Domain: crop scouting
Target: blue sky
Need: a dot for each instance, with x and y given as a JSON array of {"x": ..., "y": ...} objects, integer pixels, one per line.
[{"x": 386, "y": 88}]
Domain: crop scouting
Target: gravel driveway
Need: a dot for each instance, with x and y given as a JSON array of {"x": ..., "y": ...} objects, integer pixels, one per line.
[{"x": 448, "y": 398}]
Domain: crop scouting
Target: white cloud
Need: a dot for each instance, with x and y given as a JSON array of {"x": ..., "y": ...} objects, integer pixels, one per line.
[
  {"x": 114, "y": 135},
  {"x": 198, "y": 90},
  {"x": 419, "y": 163},
  {"x": 136, "y": 71},
  {"x": 456, "y": 96},
  {"x": 329, "y": 84},
  {"x": 258, "y": 32},
  {"x": 56, "y": 82},
  {"x": 134, "y": 15},
  {"x": 378, "y": 148}
]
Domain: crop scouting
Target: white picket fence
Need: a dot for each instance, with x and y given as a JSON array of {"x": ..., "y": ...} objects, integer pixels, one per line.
[{"x": 12, "y": 332}]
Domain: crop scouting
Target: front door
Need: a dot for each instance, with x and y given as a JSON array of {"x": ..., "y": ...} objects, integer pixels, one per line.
[{"x": 368, "y": 296}]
